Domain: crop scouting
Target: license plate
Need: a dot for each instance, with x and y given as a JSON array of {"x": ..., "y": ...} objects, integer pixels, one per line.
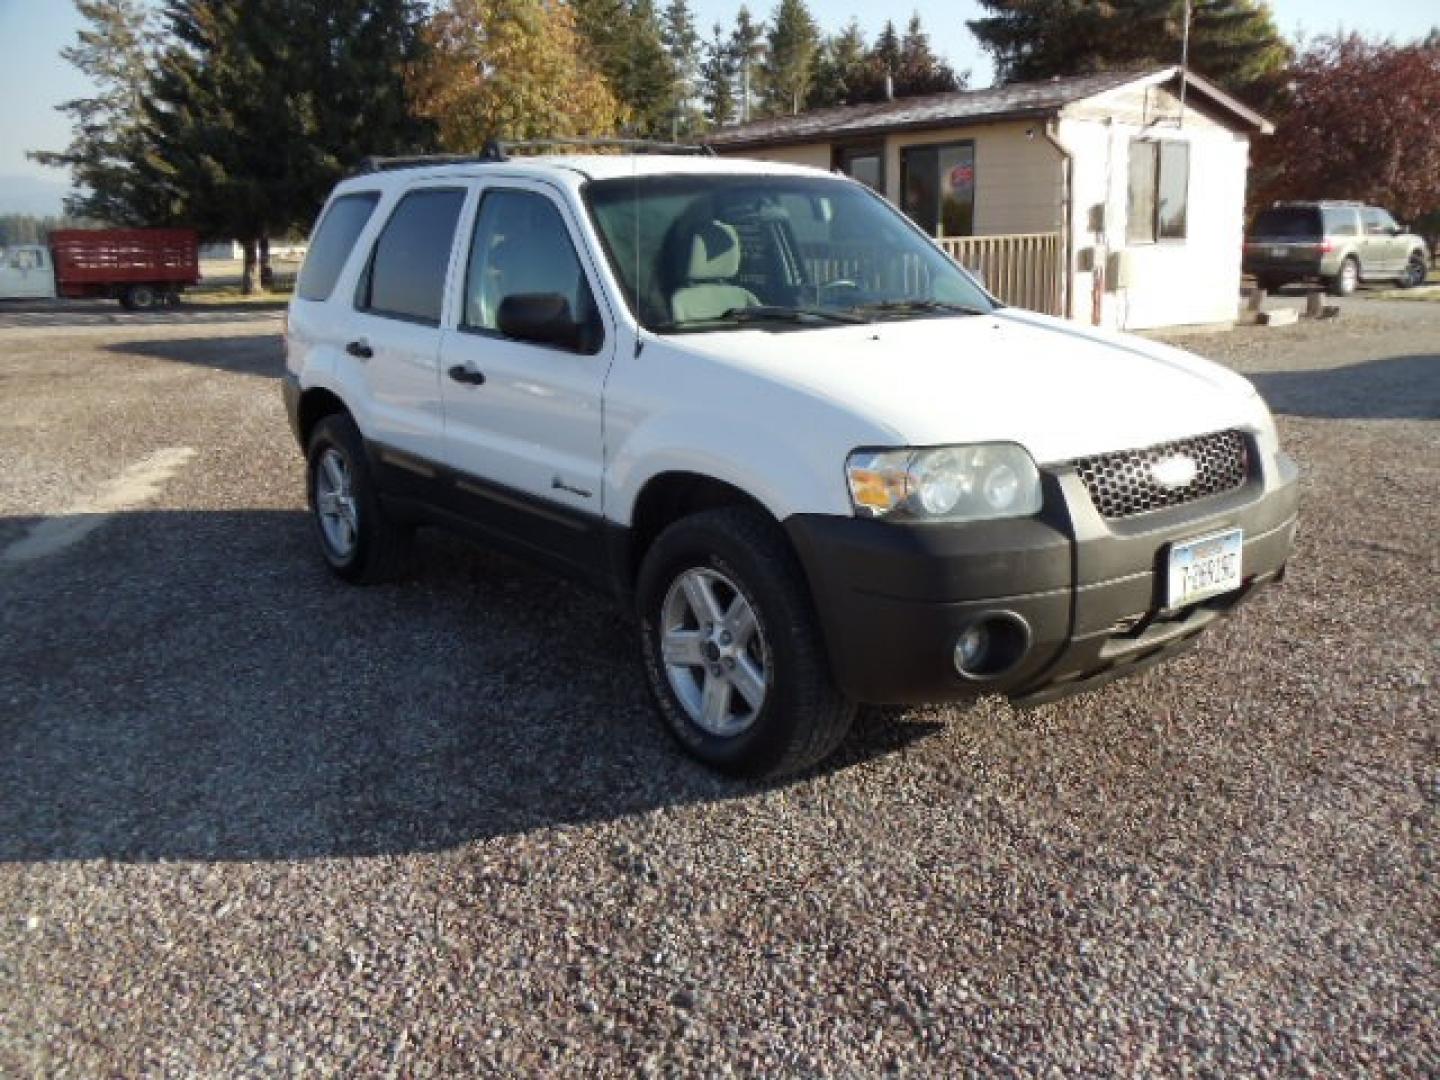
[
  {"x": 1279, "y": 252},
  {"x": 1205, "y": 566}
]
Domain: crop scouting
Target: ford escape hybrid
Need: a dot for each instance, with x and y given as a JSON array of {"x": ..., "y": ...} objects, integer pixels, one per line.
[{"x": 768, "y": 415}]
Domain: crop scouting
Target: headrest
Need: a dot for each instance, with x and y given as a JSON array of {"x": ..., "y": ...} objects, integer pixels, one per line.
[{"x": 714, "y": 253}]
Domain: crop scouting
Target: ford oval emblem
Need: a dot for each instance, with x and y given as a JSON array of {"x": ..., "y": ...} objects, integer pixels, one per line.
[{"x": 1174, "y": 472}]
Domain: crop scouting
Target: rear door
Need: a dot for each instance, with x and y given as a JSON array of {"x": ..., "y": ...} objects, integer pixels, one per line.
[
  {"x": 394, "y": 339},
  {"x": 523, "y": 424}
]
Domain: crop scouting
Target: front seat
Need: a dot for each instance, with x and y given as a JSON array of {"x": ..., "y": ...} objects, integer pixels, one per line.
[{"x": 714, "y": 260}]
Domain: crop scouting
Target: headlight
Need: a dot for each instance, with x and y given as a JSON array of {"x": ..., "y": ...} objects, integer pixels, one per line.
[{"x": 950, "y": 483}]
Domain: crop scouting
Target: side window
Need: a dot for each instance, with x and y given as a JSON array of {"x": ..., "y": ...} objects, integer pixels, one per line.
[
  {"x": 406, "y": 275},
  {"x": 1377, "y": 222},
  {"x": 334, "y": 238},
  {"x": 25, "y": 259},
  {"x": 1341, "y": 222},
  {"x": 522, "y": 248}
]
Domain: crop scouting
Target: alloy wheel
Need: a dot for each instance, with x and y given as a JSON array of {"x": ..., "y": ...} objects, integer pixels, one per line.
[
  {"x": 714, "y": 651},
  {"x": 335, "y": 503}
]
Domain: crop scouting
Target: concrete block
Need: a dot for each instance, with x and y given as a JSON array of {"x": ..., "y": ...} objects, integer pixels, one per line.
[{"x": 1279, "y": 317}]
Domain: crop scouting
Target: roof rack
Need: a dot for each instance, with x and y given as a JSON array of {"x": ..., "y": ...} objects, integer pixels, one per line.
[
  {"x": 500, "y": 150},
  {"x": 1321, "y": 202},
  {"x": 497, "y": 150}
]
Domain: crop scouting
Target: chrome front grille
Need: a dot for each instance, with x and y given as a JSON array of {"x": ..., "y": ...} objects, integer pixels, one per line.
[{"x": 1126, "y": 483}]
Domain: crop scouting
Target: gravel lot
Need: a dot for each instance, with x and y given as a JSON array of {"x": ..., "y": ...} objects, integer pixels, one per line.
[{"x": 255, "y": 821}]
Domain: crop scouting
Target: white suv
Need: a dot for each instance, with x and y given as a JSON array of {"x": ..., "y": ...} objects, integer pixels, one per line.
[{"x": 768, "y": 415}]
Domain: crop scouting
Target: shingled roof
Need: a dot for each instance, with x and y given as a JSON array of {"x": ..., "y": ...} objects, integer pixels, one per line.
[{"x": 1014, "y": 102}]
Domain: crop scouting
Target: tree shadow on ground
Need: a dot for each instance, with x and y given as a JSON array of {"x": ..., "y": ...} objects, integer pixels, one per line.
[
  {"x": 246, "y": 354},
  {"x": 194, "y": 685},
  {"x": 1391, "y": 388}
]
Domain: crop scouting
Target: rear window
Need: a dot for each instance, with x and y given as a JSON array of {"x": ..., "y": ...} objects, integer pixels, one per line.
[
  {"x": 406, "y": 276},
  {"x": 336, "y": 236},
  {"x": 1288, "y": 221}
]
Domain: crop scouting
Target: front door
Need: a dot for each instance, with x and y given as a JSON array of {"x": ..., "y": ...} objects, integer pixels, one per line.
[
  {"x": 1384, "y": 253},
  {"x": 523, "y": 422},
  {"x": 26, "y": 273}
]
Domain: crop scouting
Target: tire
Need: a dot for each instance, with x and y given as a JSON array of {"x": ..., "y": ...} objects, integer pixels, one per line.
[
  {"x": 139, "y": 298},
  {"x": 1415, "y": 273},
  {"x": 741, "y": 561},
  {"x": 1345, "y": 282},
  {"x": 357, "y": 540}
]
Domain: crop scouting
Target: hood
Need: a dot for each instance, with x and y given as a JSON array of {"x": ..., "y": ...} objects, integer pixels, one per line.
[{"x": 1060, "y": 390}]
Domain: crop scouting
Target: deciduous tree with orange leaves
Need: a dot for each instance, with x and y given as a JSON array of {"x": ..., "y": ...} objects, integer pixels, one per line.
[{"x": 511, "y": 69}]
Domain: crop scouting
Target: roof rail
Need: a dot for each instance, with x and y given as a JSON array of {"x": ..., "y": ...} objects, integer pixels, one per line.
[
  {"x": 1321, "y": 202},
  {"x": 500, "y": 150},
  {"x": 497, "y": 150},
  {"x": 415, "y": 161}
]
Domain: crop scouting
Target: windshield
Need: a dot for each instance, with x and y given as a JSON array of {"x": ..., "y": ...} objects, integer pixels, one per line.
[{"x": 712, "y": 252}]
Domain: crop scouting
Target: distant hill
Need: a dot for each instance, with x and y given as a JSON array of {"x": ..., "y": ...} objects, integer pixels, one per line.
[{"x": 32, "y": 195}]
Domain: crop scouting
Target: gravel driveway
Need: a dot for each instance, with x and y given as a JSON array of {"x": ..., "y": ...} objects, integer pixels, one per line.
[{"x": 256, "y": 821}]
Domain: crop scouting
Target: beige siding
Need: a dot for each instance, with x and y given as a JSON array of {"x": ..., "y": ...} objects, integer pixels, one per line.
[
  {"x": 816, "y": 155},
  {"x": 1019, "y": 183}
]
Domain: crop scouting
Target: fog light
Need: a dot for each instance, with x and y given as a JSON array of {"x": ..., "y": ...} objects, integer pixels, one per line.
[
  {"x": 970, "y": 648},
  {"x": 991, "y": 646}
]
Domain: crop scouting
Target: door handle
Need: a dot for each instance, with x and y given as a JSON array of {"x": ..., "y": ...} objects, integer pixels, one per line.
[
  {"x": 360, "y": 349},
  {"x": 461, "y": 374}
]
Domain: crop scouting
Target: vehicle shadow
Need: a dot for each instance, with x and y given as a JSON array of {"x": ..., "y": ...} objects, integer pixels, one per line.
[
  {"x": 192, "y": 685},
  {"x": 1391, "y": 388},
  {"x": 245, "y": 354}
]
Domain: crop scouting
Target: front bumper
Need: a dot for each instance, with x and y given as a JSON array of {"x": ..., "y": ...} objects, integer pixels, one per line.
[{"x": 892, "y": 598}]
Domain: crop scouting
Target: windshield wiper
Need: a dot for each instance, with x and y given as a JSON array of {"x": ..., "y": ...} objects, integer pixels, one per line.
[
  {"x": 913, "y": 306},
  {"x": 758, "y": 313},
  {"x": 785, "y": 313}
]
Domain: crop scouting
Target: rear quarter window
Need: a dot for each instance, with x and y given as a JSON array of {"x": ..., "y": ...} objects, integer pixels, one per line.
[
  {"x": 1342, "y": 223},
  {"x": 334, "y": 240}
]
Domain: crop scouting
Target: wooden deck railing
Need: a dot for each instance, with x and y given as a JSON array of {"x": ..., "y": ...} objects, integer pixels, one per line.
[{"x": 1020, "y": 268}]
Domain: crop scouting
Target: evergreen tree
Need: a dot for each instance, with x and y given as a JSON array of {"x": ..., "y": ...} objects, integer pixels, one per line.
[
  {"x": 1233, "y": 42},
  {"x": 841, "y": 72},
  {"x": 682, "y": 45},
  {"x": 625, "y": 42},
  {"x": 789, "y": 65},
  {"x": 257, "y": 108},
  {"x": 513, "y": 69},
  {"x": 717, "y": 79},
  {"x": 920, "y": 70},
  {"x": 747, "y": 45},
  {"x": 884, "y": 59},
  {"x": 114, "y": 51}
]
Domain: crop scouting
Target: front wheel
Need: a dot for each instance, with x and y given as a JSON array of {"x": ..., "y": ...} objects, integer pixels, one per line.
[
  {"x": 732, "y": 649},
  {"x": 1415, "y": 272}
]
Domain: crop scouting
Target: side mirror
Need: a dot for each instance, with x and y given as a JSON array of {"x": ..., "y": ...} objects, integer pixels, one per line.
[{"x": 541, "y": 318}]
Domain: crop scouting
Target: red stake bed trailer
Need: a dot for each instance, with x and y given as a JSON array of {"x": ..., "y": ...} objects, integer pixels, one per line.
[{"x": 138, "y": 267}]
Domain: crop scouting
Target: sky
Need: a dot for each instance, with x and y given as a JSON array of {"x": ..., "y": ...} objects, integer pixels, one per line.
[{"x": 34, "y": 79}]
